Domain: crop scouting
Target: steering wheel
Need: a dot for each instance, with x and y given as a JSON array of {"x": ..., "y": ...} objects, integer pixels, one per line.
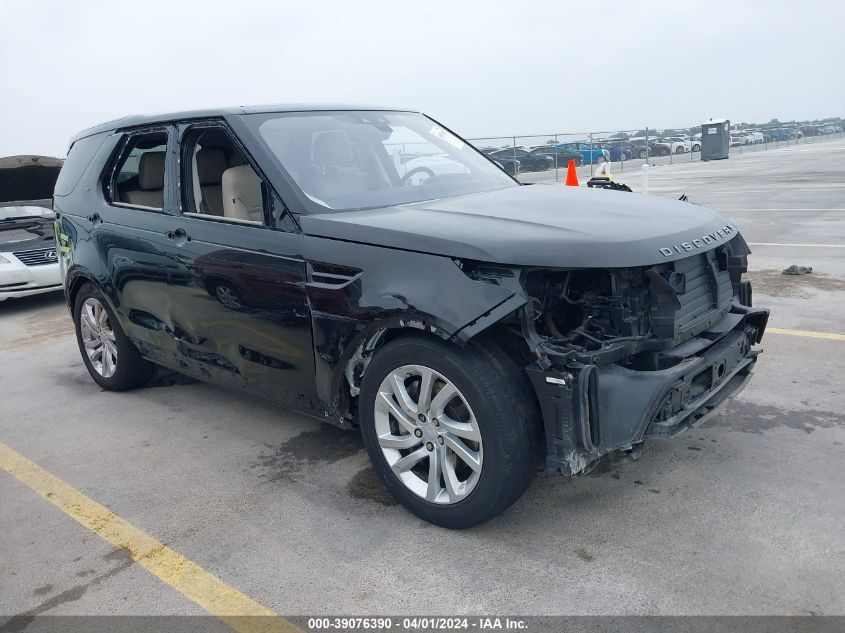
[{"x": 420, "y": 174}]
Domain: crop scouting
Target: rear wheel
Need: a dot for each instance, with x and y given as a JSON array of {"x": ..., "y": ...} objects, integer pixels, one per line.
[
  {"x": 450, "y": 431},
  {"x": 643, "y": 153},
  {"x": 600, "y": 160},
  {"x": 680, "y": 149},
  {"x": 110, "y": 357}
]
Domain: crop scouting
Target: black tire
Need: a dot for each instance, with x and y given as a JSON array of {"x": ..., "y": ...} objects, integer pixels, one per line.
[
  {"x": 696, "y": 148},
  {"x": 131, "y": 370},
  {"x": 664, "y": 151},
  {"x": 505, "y": 410},
  {"x": 643, "y": 153},
  {"x": 680, "y": 149}
]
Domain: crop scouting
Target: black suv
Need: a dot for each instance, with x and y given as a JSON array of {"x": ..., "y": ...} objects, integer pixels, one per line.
[{"x": 372, "y": 269}]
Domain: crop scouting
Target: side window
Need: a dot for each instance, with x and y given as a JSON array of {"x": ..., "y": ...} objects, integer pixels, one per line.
[
  {"x": 219, "y": 180},
  {"x": 138, "y": 177}
]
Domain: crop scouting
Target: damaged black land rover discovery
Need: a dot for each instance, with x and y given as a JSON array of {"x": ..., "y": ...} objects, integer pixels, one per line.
[{"x": 372, "y": 269}]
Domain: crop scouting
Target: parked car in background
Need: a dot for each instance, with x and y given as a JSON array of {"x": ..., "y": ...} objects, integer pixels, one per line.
[
  {"x": 737, "y": 140},
  {"x": 677, "y": 144},
  {"x": 508, "y": 163},
  {"x": 744, "y": 137},
  {"x": 695, "y": 142},
  {"x": 561, "y": 156},
  {"x": 28, "y": 257},
  {"x": 621, "y": 151},
  {"x": 655, "y": 147},
  {"x": 527, "y": 160},
  {"x": 591, "y": 153}
]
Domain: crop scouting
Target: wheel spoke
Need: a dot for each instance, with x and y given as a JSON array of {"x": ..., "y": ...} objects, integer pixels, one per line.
[
  {"x": 108, "y": 365},
  {"x": 97, "y": 354},
  {"x": 398, "y": 441},
  {"x": 410, "y": 460},
  {"x": 443, "y": 397},
  {"x": 88, "y": 318},
  {"x": 426, "y": 383},
  {"x": 463, "y": 452},
  {"x": 466, "y": 430},
  {"x": 403, "y": 419},
  {"x": 449, "y": 476},
  {"x": 397, "y": 384},
  {"x": 90, "y": 343},
  {"x": 102, "y": 316},
  {"x": 434, "y": 463}
]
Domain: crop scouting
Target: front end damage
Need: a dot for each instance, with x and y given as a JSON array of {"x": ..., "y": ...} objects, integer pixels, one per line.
[{"x": 621, "y": 355}]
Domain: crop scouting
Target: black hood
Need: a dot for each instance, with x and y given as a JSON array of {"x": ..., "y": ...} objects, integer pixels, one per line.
[
  {"x": 28, "y": 179},
  {"x": 540, "y": 225}
]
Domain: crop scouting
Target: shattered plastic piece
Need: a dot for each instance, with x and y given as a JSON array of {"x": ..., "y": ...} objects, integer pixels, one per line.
[{"x": 797, "y": 270}]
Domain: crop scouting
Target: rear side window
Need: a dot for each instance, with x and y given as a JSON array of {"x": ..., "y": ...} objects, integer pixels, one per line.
[
  {"x": 138, "y": 177},
  {"x": 78, "y": 159}
]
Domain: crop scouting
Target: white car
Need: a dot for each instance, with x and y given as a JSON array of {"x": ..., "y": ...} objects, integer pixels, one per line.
[
  {"x": 29, "y": 262},
  {"x": 744, "y": 138},
  {"x": 679, "y": 144},
  {"x": 755, "y": 136}
]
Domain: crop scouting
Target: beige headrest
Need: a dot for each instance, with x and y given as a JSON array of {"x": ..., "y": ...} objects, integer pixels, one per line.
[
  {"x": 211, "y": 163},
  {"x": 333, "y": 148},
  {"x": 151, "y": 171}
]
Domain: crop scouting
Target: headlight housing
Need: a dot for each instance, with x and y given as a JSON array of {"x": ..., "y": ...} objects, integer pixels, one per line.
[{"x": 3, "y": 260}]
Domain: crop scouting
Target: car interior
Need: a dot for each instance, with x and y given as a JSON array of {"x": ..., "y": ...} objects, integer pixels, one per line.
[{"x": 222, "y": 182}]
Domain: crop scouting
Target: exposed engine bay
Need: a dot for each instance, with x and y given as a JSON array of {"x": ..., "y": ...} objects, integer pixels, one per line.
[{"x": 616, "y": 355}]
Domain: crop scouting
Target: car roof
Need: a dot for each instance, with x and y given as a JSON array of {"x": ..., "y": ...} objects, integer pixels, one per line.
[{"x": 164, "y": 117}]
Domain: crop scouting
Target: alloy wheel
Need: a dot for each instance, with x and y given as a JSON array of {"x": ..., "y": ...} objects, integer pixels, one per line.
[
  {"x": 428, "y": 434},
  {"x": 98, "y": 337}
]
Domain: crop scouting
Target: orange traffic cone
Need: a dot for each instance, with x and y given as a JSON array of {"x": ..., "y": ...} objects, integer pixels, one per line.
[{"x": 571, "y": 176}]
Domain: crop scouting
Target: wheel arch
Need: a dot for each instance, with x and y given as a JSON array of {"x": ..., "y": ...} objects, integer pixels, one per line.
[{"x": 76, "y": 278}]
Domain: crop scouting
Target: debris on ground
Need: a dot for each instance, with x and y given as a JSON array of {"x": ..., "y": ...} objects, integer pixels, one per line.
[{"x": 797, "y": 270}]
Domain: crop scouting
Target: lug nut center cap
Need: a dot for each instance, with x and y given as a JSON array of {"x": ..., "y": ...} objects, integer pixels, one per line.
[{"x": 429, "y": 431}]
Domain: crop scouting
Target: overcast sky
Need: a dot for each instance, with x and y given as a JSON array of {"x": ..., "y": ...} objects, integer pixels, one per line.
[{"x": 482, "y": 67}]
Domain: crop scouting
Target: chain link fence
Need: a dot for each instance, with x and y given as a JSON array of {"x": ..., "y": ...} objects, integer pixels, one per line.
[{"x": 545, "y": 157}]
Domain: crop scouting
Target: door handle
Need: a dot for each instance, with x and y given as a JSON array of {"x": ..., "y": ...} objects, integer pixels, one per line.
[{"x": 178, "y": 235}]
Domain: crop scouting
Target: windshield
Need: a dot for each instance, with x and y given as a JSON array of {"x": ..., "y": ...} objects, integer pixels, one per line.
[{"x": 357, "y": 159}]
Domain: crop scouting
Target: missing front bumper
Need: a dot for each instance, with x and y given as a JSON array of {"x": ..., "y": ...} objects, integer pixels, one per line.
[{"x": 589, "y": 410}]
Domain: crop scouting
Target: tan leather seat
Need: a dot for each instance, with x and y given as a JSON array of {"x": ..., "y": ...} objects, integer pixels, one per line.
[
  {"x": 242, "y": 198},
  {"x": 336, "y": 171},
  {"x": 211, "y": 163},
  {"x": 150, "y": 192}
]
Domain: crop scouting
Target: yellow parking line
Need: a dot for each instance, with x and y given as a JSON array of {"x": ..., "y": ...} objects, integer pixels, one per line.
[
  {"x": 807, "y": 333},
  {"x": 808, "y": 245},
  {"x": 195, "y": 583}
]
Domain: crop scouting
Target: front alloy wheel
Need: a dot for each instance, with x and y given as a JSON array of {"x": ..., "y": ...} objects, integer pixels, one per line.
[
  {"x": 428, "y": 434},
  {"x": 452, "y": 431}
]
